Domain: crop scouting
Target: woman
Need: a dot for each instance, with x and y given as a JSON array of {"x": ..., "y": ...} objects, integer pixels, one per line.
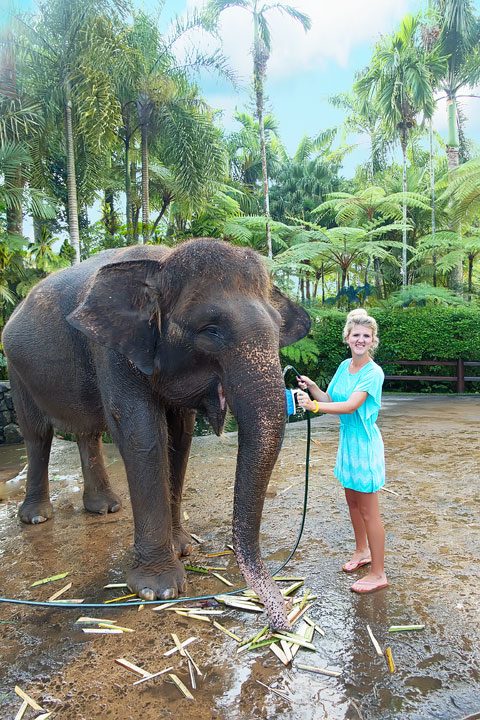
[{"x": 354, "y": 394}]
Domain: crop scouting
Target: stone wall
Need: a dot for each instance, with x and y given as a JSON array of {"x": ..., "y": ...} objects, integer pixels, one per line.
[{"x": 9, "y": 430}]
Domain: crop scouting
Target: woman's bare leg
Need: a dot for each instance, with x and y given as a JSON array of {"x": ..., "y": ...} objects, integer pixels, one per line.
[
  {"x": 370, "y": 512},
  {"x": 362, "y": 551}
]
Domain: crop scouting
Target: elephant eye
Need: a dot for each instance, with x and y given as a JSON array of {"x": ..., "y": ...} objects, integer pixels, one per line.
[{"x": 211, "y": 330}]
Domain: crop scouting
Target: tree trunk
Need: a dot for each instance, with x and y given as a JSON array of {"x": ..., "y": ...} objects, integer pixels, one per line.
[
  {"x": 128, "y": 188},
  {"x": 260, "y": 56},
  {"x": 71, "y": 177},
  {"x": 404, "y": 217},
  {"x": 145, "y": 189},
  {"x": 432, "y": 199},
  {"x": 456, "y": 275},
  {"x": 378, "y": 277}
]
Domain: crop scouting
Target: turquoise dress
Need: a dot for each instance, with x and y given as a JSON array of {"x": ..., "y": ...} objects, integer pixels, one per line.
[{"x": 360, "y": 458}]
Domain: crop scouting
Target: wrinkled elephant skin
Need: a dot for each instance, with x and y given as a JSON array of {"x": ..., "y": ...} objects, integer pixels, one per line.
[{"x": 135, "y": 341}]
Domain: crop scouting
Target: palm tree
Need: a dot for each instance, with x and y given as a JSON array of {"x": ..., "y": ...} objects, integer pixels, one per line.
[
  {"x": 67, "y": 54},
  {"x": 259, "y": 9},
  {"x": 459, "y": 41},
  {"x": 400, "y": 83}
]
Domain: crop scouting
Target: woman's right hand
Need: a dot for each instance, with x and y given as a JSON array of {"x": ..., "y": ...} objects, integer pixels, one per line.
[{"x": 304, "y": 382}]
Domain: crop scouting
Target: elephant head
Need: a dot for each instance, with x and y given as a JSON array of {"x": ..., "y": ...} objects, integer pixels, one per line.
[{"x": 204, "y": 322}]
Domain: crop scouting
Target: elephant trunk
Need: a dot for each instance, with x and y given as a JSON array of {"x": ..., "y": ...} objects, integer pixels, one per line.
[{"x": 257, "y": 400}]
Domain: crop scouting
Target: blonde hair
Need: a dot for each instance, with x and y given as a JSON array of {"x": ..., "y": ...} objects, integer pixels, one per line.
[{"x": 359, "y": 316}]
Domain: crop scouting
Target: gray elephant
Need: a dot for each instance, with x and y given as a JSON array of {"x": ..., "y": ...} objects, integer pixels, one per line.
[{"x": 136, "y": 341}]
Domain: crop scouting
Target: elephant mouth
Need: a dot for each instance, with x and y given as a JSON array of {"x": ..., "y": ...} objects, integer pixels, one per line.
[{"x": 214, "y": 405}]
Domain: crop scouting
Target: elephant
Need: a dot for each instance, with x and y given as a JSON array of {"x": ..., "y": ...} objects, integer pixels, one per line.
[{"x": 135, "y": 341}]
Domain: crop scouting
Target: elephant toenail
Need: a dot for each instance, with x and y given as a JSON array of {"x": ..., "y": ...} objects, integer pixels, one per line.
[
  {"x": 168, "y": 594},
  {"x": 37, "y": 519},
  {"x": 147, "y": 594}
]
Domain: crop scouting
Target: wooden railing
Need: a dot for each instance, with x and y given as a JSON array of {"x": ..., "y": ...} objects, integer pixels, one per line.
[{"x": 459, "y": 378}]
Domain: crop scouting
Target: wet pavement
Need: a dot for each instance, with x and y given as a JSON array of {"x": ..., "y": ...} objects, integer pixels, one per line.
[{"x": 433, "y": 552}]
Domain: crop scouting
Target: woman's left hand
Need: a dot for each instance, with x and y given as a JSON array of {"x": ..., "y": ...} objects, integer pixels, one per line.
[{"x": 304, "y": 401}]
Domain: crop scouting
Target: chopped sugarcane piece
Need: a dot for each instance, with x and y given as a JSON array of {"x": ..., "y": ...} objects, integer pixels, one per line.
[
  {"x": 141, "y": 607},
  {"x": 262, "y": 643},
  {"x": 167, "y": 604},
  {"x": 178, "y": 644},
  {"x": 308, "y": 633},
  {"x": 230, "y": 547},
  {"x": 279, "y": 653},
  {"x": 192, "y": 615},
  {"x": 286, "y": 649},
  {"x": 314, "y": 625},
  {"x": 222, "y": 579},
  {"x": 190, "y": 659},
  {"x": 218, "y": 554},
  {"x": 70, "y": 601},
  {"x": 197, "y": 539},
  {"x": 43, "y": 716},
  {"x": 276, "y": 692},
  {"x": 197, "y": 569},
  {"x": 201, "y": 611},
  {"x": 405, "y": 628},
  {"x": 21, "y": 711},
  {"x": 375, "y": 642},
  {"x": 226, "y": 631},
  {"x": 112, "y": 626},
  {"x": 297, "y": 613},
  {"x": 292, "y": 588},
  {"x": 59, "y": 592},
  {"x": 389, "y": 659},
  {"x": 287, "y": 578},
  {"x": 186, "y": 516},
  {"x": 243, "y": 648},
  {"x": 115, "y": 585},
  {"x": 251, "y": 594},
  {"x": 93, "y": 621},
  {"x": 26, "y": 698},
  {"x": 102, "y": 631},
  {"x": 134, "y": 668},
  {"x": 256, "y": 637},
  {"x": 193, "y": 682},
  {"x": 183, "y": 644},
  {"x": 153, "y": 675},
  {"x": 240, "y": 605},
  {"x": 184, "y": 690},
  {"x": 320, "y": 671},
  {"x": 60, "y": 576},
  {"x": 118, "y": 599},
  {"x": 296, "y": 639}
]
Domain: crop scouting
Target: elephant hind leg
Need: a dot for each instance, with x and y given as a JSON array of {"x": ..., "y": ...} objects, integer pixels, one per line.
[
  {"x": 180, "y": 432},
  {"x": 98, "y": 496},
  {"x": 37, "y": 432}
]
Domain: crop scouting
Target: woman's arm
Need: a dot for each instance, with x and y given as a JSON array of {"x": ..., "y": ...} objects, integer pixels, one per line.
[{"x": 347, "y": 407}]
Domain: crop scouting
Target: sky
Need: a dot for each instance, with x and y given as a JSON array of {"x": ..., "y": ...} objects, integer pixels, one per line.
[{"x": 304, "y": 69}]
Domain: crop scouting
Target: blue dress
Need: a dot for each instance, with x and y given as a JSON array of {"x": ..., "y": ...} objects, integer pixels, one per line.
[{"x": 360, "y": 458}]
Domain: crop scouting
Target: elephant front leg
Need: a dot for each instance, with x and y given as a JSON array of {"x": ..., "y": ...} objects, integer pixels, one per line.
[
  {"x": 156, "y": 571},
  {"x": 180, "y": 431},
  {"x": 98, "y": 496}
]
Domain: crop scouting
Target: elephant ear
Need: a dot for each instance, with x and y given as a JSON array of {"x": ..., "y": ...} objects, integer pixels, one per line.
[
  {"x": 296, "y": 321},
  {"x": 120, "y": 311}
]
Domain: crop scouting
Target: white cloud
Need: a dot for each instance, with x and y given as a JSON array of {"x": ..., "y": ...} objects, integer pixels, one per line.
[{"x": 337, "y": 28}]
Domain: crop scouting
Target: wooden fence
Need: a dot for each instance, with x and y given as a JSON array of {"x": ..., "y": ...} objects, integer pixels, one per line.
[{"x": 459, "y": 378}]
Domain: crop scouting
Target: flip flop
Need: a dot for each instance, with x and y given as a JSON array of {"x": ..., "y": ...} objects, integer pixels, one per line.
[
  {"x": 353, "y": 565},
  {"x": 362, "y": 587}
]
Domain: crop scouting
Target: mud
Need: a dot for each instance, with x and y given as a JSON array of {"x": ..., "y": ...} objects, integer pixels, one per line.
[{"x": 433, "y": 550}]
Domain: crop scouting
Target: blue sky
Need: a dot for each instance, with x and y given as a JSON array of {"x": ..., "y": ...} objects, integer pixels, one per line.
[{"x": 304, "y": 68}]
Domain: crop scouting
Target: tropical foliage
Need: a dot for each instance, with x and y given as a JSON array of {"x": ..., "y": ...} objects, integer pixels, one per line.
[{"x": 102, "y": 117}]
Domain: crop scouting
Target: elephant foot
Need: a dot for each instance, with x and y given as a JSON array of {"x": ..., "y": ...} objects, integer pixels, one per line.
[
  {"x": 182, "y": 542},
  {"x": 164, "y": 585},
  {"x": 34, "y": 512},
  {"x": 101, "y": 502}
]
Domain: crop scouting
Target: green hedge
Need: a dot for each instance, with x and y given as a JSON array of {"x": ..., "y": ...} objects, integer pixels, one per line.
[{"x": 428, "y": 333}]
